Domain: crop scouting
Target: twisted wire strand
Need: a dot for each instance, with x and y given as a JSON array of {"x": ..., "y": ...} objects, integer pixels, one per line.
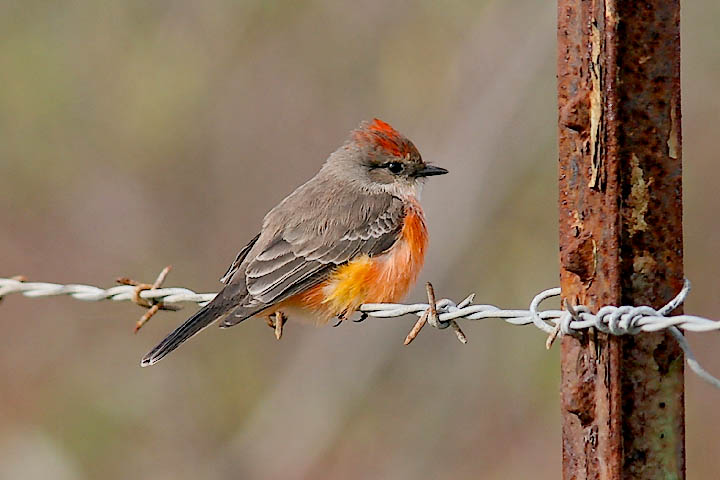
[
  {"x": 88, "y": 293},
  {"x": 622, "y": 320}
]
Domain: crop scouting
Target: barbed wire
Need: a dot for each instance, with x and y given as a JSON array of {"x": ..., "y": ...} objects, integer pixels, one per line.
[
  {"x": 622, "y": 320},
  {"x": 88, "y": 293}
]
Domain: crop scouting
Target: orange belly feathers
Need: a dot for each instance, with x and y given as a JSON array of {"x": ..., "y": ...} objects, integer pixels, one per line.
[{"x": 380, "y": 279}]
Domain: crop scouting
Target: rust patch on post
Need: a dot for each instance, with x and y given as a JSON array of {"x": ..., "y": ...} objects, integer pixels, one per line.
[
  {"x": 579, "y": 256},
  {"x": 620, "y": 233}
]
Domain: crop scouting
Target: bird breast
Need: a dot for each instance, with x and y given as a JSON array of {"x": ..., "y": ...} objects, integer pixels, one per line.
[{"x": 384, "y": 278}]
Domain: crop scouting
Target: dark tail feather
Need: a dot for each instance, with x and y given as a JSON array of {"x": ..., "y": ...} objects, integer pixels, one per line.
[
  {"x": 204, "y": 317},
  {"x": 241, "y": 314}
]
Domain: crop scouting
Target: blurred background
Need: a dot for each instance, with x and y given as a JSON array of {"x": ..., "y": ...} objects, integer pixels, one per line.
[{"x": 138, "y": 134}]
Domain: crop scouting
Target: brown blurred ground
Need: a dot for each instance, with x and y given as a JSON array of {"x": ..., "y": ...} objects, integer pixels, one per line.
[{"x": 136, "y": 134}]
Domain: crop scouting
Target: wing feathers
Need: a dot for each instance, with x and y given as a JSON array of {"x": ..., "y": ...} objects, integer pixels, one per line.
[
  {"x": 300, "y": 250},
  {"x": 276, "y": 249},
  {"x": 235, "y": 265},
  {"x": 262, "y": 268},
  {"x": 261, "y": 285},
  {"x": 293, "y": 283}
]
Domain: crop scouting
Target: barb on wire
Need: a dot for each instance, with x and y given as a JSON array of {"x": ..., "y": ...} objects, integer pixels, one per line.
[
  {"x": 430, "y": 316},
  {"x": 153, "y": 305},
  {"x": 623, "y": 320}
]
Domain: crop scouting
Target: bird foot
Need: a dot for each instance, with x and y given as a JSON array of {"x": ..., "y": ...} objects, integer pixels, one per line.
[
  {"x": 341, "y": 318},
  {"x": 277, "y": 321}
]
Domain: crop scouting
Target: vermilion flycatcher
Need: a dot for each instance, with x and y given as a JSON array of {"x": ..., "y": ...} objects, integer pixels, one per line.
[{"x": 353, "y": 234}]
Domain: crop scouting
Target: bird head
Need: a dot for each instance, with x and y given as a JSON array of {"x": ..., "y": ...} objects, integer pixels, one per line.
[{"x": 379, "y": 158}]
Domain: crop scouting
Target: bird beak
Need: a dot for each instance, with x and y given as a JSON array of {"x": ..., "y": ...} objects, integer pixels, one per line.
[{"x": 430, "y": 170}]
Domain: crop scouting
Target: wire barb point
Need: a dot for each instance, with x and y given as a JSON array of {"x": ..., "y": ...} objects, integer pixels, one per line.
[
  {"x": 430, "y": 315},
  {"x": 153, "y": 305}
]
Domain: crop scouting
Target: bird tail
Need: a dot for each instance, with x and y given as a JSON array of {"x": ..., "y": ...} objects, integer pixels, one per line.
[{"x": 204, "y": 317}]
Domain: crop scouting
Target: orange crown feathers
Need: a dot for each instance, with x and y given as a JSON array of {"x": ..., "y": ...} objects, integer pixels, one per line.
[{"x": 384, "y": 136}]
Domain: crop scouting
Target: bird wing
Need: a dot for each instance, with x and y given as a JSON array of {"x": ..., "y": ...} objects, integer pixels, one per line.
[
  {"x": 235, "y": 265},
  {"x": 304, "y": 251}
]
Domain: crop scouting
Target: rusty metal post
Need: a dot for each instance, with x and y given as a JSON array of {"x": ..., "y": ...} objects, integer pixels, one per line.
[{"x": 620, "y": 233}]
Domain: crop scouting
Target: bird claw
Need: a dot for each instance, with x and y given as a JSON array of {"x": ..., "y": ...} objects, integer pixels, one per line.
[
  {"x": 341, "y": 318},
  {"x": 276, "y": 321}
]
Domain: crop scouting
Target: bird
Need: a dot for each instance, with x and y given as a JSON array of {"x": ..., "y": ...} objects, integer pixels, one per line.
[{"x": 355, "y": 233}]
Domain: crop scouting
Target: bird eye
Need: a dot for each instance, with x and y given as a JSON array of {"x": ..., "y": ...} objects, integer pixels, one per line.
[{"x": 395, "y": 167}]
